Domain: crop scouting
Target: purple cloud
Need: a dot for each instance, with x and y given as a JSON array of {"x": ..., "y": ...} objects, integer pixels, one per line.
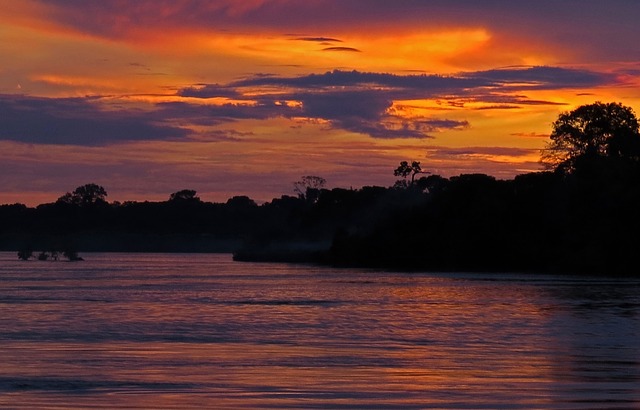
[
  {"x": 209, "y": 91},
  {"x": 339, "y": 78},
  {"x": 319, "y": 39},
  {"x": 354, "y": 101},
  {"x": 360, "y": 101},
  {"x": 76, "y": 121},
  {"x": 216, "y": 114},
  {"x": 537, "y": 77},
  {"x": 544, "y": 77}
]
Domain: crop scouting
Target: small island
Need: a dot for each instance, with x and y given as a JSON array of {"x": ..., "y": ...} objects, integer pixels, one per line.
[{"x": 578, "y": 216}]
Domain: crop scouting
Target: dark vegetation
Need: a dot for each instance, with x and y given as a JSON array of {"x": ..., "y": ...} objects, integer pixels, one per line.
[{"x": 579, "y": 216}]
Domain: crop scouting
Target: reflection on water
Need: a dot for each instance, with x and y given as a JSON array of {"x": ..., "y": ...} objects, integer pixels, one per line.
[{"x": 200, "y": 331}]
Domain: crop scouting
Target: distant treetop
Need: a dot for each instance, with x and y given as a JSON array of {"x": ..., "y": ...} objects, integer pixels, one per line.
[
  {"x": 184, "y": 195},
  {"x": 85, "y": 195}
]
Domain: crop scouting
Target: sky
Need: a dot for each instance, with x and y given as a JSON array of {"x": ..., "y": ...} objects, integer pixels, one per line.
[{"x": 227, "y": 97}]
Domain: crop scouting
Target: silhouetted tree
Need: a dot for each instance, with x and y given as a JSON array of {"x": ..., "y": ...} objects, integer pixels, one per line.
[
  {"x": 404, "y": 170},
  {"x": 85, "y": 195},
  {"x": 184, "y": 195},
  {"x": 592, "y": 132},
  {"x": 241, "y": 202},
  {"x": 72, "y": 255},
  {"x": 433, "y": 183},
  {"x": 309, "y": 187},
  {"x": 25, "y": 254}
]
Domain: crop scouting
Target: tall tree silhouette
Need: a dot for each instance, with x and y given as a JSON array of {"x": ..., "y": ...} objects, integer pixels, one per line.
[
  {"x": 404, "y": 170},
  {"x": 308, "y": 187},
  {"x": 590, "y": 133}
]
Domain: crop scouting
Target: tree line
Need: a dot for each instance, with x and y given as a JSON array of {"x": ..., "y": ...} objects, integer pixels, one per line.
[
  {"x": 83, "y": 220},
  {"x": 579, "y": 215}
]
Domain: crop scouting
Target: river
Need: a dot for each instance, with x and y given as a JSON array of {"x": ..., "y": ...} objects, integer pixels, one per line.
[{"x": 163, "y": 331}]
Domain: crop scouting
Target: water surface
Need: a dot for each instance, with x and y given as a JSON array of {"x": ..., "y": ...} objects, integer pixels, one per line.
[{"x": 201, "y": 331}]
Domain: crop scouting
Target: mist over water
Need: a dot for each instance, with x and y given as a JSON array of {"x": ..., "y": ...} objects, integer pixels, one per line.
[{"x": 201, "y": 331}]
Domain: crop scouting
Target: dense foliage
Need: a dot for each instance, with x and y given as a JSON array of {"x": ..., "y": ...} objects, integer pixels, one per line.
[{"x": 592, "y": 134}]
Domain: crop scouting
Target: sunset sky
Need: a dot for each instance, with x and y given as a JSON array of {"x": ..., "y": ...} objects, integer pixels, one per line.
[{"x": 231, "y": 97}]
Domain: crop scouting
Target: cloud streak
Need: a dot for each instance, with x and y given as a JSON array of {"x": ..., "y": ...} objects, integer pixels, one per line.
[
  {"x": 602, "y": 31},
  {"x": 362, "y": 102},
  {"x": 358, "y": 102},
  {"x": 342, "y": 49},
  {"x": 321, "y": 40},
  {"x": 76, "y": 121}
]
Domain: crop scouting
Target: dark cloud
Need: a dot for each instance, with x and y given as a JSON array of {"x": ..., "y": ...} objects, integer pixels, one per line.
[
  {"x": 209, "y": 91},
  {"x": 548, "y": 78},
  {"x": 366, "y": 104},
  {"x": 480, "y": 151},
  {"x": 499, "y": 100},
  {"x": 359, "y": 111},
  {"x": 498, "y": 107},
  {"x": 347, "y": 49},
  {"x": 366, "y": 112},
  {"x": 436, "y": 125},
  {"x": 76, "y": 121},
  {"x": 354, "y": 101},
  {"x": 409, "y": 128},
  {"x": 361, "y": 101},
  {"x": 319, "y": 39},
  {"x": 339, "y": 78},
  {"x": 380, "y": 129},
  {"x": 208, "y": 115},
  {"x": 544, "y": 77}
]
